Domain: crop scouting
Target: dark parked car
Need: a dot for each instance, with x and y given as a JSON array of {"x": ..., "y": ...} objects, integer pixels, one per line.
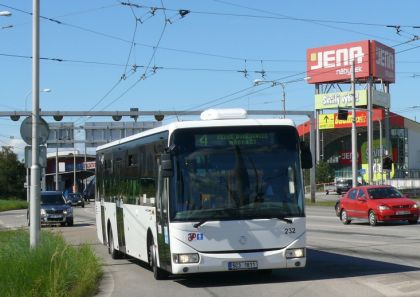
[
  {"x": 342, "y": 185},
  {"x": 377, "y": 204},
  {"x": 76, "y": 199},
  {"x": 89, "y": 192},
  {"x": 54, "y": 209}
]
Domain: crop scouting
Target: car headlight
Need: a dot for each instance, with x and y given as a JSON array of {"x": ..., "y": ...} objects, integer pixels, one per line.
[
  {"x": 43, "y": 212},
  {"x": 415, "y": 206},
  {"x": 383, "y": 207},
  {"x": 186, "y": 258},
  {"x": 67, "y": 211},
  {"x": 295, "y": 253}
]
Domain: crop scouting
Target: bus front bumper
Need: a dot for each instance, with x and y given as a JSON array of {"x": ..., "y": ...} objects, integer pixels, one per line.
[{"x": 273, "y": 259}]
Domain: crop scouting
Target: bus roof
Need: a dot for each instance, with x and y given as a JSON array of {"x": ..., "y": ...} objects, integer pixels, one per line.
[{"x": 200, "y": 124}]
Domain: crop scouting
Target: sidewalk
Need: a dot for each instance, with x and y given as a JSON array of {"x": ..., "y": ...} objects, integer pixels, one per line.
[{"x": 321, "y": 196}]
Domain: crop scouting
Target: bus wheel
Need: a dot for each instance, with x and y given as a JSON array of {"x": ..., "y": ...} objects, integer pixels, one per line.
[
  {"x": 111, "y": 249},
  {"x": 158, "y": 273}
]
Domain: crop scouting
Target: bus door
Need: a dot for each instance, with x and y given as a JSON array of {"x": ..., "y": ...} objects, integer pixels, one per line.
[
  {"x": 100, "y": 220},
  {"x": 162, "y": 221}
]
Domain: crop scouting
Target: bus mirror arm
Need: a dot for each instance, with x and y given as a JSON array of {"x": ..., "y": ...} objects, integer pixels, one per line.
[
  {"x": 166, "y": 165},
  {"x": 305, "y": 156}
]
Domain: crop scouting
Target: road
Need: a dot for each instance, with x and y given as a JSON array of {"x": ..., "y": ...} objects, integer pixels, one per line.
[{"x": 343, "y": 260}]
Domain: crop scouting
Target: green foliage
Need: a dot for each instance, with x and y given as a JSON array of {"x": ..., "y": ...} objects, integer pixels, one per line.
[
  {"x": 12, "y": 175},
  {"x": 11, "y": 204},
  {"x": 324, "y": 173},
  {"x": 53, "y": 269}
]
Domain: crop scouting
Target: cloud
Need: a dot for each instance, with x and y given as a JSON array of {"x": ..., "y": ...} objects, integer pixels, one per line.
[{"x": 18, "y": 146}]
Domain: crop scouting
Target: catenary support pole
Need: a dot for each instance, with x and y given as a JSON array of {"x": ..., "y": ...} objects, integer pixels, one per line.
[
  {"x": 35, "y": 222},
  {"x": 353, "y": 129},
  {"x": 370, "y": 132},
  {"x": 56, "y": 168},
  {"x": 316, "y": 125},
  {"x": 312, "y": 177}
]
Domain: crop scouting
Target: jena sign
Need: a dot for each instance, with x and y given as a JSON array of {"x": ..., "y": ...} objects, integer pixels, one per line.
[
  {"x": 333, "y": 63},
  {"x": 345, "y": 99}
]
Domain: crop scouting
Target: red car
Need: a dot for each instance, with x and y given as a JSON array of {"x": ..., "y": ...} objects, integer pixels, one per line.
[{"x": 377, "y": 204}]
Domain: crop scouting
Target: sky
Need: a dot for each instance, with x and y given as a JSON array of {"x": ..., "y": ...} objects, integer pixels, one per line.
[{"x": 107, "y": 55}]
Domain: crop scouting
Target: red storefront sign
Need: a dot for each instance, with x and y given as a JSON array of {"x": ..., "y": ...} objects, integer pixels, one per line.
[
  {"x": 345, "y": 158},
  {"x": 383, "y": 61},
  {"x": 333, "y": 63}
]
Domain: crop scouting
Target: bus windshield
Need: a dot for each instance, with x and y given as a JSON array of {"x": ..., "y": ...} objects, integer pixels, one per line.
[{"x": 233, "y": 173}]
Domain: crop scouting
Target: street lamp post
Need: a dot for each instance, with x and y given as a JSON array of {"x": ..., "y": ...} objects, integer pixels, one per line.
[
  {"x": 273, "y": 84},
  {"x": 46, "y": 90}
]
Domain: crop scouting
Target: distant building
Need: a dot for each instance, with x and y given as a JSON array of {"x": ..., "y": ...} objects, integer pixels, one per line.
[
  {"x": 335, "y": 144},
  {"x": 65, "y": 160}
]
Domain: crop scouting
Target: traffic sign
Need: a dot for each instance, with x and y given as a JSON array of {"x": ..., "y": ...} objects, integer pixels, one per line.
[
  {"x": 26, "y": 130},
  {"x": 42, "y": 160}
]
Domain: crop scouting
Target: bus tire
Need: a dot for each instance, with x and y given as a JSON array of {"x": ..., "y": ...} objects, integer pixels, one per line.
[
  {"x": 158, "y": 273},
  {"x": 111, "y": 248}
]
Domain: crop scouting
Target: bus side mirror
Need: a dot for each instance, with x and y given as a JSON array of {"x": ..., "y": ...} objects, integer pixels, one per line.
[
  {"x": 166, "y": 165},
  {"x": 305, "y": 156}
]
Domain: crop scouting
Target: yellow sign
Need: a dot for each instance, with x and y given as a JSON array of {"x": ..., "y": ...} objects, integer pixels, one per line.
[{"x": 326, "y": 121}]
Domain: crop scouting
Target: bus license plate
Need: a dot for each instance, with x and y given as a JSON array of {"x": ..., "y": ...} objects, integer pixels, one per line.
[{"x": 242, "y": 265}]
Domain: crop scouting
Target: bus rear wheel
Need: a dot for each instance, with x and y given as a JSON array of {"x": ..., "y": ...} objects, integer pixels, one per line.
[
  {"x": 111, "y": 248},
  {"x": 158, "y": 273}
]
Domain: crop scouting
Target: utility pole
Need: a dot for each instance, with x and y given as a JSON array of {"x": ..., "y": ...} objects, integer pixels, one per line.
[
  {"x": 284, "y": 100},
  {"x": 56, "y": 168},
  {"x": 353, "y": 129},
  {"x": 370, "y": 131},
  {"x": 35, "y": 192},
  {"x": 381, "y": 156}
]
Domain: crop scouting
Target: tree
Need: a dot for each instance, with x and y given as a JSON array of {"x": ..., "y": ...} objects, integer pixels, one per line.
[
  {"x": 12, "y": 175},
  {"x": 324, "y": 172}
]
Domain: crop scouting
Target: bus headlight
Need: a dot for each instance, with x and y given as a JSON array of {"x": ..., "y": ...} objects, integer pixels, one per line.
[
  {"x": 43, "y": 212},
  {"x": 295, "y": 253},
  {"x": 185, "y": 258}
]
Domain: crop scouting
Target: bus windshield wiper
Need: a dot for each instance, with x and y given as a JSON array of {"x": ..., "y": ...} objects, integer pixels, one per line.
[
  {"x": 196, "y": 225},
  {"x": 284, "y": 219}
]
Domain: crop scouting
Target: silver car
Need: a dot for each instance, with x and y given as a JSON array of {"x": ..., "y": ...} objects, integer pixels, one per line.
[{"x": 54, "y": 209}]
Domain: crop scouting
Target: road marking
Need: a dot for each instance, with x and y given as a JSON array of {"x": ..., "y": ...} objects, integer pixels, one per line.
[
  {"x": 396, "y": 284},
  {"x": 354, "y": 241}
]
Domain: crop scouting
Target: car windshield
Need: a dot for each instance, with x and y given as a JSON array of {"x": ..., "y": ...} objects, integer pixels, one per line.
[
  {"x": 225, "y": 175},
  {"x": 52, "y": 199},
  {"x": 344, "y": 182},
  {"x": 379, "y": 193}
]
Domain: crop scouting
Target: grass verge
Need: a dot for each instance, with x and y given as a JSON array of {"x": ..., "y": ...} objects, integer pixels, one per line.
[
  {"x": 12, "y": 204},
  {"x": 320, "y": 203},
  {"x": 53, "y": 269}
]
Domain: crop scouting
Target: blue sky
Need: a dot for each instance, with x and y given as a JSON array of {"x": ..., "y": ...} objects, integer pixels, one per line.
[{"x": 193, "y": 62}]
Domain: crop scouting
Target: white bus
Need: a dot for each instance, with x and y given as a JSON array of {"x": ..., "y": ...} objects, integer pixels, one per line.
[{"x": 223, "y": 193}]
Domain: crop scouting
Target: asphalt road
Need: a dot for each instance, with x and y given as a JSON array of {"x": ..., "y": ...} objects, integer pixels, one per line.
[{"x": 343, "y": 260}]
